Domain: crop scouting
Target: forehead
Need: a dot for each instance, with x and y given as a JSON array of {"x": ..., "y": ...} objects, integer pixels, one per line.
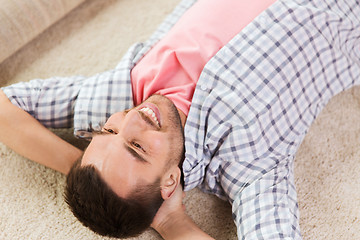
[{"x": 118, "y": 167}]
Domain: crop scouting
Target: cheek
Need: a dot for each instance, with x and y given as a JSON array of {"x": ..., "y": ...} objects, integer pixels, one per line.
[{"x": 159, "y": 145}]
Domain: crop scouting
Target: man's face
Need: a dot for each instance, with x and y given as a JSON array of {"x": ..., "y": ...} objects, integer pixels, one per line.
[{"x": 136, "y": 146}]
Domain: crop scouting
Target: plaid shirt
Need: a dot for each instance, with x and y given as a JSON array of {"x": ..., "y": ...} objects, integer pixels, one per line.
[{"x": 252, "y": 106}]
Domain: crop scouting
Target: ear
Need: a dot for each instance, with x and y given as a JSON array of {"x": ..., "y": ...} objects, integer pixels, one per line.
[{"x": 169, "y": 182}]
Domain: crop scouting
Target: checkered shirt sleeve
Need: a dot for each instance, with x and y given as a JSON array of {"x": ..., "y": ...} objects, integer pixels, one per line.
[
  {"x": 50, "y": 101},
  {"x": 255, "y": 101}
]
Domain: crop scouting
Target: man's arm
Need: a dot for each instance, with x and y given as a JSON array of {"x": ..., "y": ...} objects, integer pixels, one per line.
[
  {"x": 172, "y": 223},
  {"x": 267, "y": 208},
  {"x": 25, "y": 135}
]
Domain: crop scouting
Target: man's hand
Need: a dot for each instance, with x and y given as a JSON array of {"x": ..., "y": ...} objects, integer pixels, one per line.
[
  {"x": 173, "y": 207},
  {"x": 171, "y": 221}
]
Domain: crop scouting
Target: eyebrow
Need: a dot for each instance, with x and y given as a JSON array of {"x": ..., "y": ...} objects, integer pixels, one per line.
[{"x": 135, "y": 154}]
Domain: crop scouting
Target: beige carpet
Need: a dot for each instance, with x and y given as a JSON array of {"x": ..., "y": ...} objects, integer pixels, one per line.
[{"x": 93, "y": 38}]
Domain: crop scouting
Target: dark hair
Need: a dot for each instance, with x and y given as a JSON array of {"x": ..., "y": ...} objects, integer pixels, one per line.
[{"x": 99, "y": 208}]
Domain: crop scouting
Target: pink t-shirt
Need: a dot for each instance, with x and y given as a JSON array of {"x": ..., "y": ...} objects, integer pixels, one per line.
[{"x": 173, "y": 66}]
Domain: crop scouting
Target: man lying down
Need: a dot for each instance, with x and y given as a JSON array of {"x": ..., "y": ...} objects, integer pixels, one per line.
[{"x": 220, "y": 98}]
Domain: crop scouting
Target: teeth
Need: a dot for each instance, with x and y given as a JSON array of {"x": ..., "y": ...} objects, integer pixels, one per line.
[{"x": 150, "y": 113}]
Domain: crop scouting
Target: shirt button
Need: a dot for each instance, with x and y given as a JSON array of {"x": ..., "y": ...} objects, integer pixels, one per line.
[{"x": 203, "y": 87}]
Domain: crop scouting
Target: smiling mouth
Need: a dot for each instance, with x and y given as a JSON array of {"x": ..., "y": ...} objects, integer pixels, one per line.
[{"x": 151, "y": 114}]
